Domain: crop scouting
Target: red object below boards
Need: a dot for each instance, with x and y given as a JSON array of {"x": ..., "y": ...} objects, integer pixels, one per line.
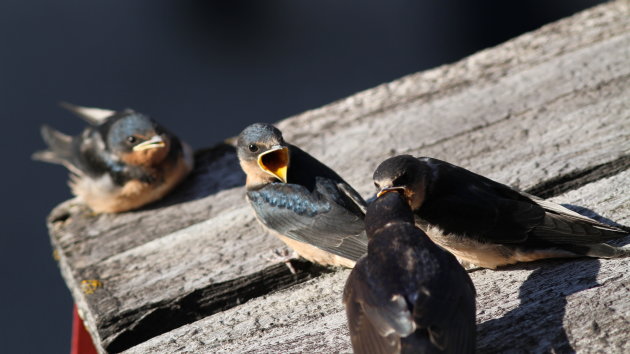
[{"x": 81, "y": 339}]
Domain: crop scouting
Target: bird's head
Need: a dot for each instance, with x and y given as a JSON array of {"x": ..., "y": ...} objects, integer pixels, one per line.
[
  {"x": 390, "y": 207},
  {"x": 135, "y": 138},
  {"x": 405, "y": 174},
  {"x": 263, "y": 154}
]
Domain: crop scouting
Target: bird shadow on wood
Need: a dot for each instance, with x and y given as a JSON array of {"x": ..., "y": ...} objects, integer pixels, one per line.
[
  {"x": 536, "y": 325},
  {"x": 216, "y": 169}
]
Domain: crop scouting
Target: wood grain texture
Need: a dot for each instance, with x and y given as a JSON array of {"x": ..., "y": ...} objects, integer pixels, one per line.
[
  {"x": 548, "y": 108},
  {"x": 554, "y": 305}
]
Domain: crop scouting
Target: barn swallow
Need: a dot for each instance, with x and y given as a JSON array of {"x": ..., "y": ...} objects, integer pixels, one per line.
[
  {"x": 301, "y": 200},
  {"x": 487, "y": 223},
  {"x": 122, "y": 161},
  {"x": 407, "y": 295}
]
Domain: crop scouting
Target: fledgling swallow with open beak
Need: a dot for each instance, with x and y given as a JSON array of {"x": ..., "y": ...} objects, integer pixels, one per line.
[
  {"x": 487, "y": 223},
  {"x": 122, "y": 161},
  {"x": 407, "y": 295},
  {"x": 302, "y": 201}
]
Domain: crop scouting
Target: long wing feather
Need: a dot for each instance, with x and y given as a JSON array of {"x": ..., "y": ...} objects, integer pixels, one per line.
[{"x": 315, "y": 218}]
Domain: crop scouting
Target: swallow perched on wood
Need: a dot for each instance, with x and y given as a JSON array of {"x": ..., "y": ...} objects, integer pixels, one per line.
[
  {"x": 407, "y": 295},
  {"x": 488, "y": 223},
  {"x": 305, "y": 203},
  {"x": 123, "y": 161}
]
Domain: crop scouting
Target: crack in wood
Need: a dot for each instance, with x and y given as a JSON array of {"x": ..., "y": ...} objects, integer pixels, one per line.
[
  {"x": 150, "y": 321},
  {"x": 576, "y": 179}
]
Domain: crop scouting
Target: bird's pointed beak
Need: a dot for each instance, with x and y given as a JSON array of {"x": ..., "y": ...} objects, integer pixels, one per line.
[
  {"x": 275, "y": 161},
  {"x": 400, "y": 190},
  {"x": 155, "y": 142}
]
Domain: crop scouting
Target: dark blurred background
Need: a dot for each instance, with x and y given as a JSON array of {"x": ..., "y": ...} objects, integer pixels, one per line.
[{"x": 205, "y": 69}]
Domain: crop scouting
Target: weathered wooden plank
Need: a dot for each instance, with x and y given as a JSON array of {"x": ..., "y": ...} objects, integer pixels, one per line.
[
  {"x": 549, "y": 103},
  {"x": 87, "y": 239},
  {"x": 552, "y": 117},
  {"x": 540, "y": 308},
  {"x": 557, "y": 304},
  {"x": 164, "y": 265}
]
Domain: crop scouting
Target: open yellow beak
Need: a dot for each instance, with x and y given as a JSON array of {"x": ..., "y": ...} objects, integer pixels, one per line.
[
  {"x": 275, "y": 162},
  {"x": 400, "y": 190},
  {"x": 154, "y": 142}
]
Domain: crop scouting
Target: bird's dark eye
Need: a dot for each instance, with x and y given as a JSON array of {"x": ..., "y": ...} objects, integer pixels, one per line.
[
  {"x": 132, "y": 139},
  {"x": 377, "y": 186},
  {"x": 253, "y": 148}
]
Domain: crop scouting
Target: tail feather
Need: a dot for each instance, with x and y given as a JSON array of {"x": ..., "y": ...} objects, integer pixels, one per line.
[
  {"x": 603, "y": 250},
  {"x": 566, "y": 229},
  {"x": 598, "y": 250},
  {"x": 60, "y": 148},
  {"x": 92, "y": 115},
  {"x": 46, "y": 156}
]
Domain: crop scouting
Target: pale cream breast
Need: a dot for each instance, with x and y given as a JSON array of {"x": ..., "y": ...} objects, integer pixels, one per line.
[
  {"x": 103, "y": 196},
  {"x": 488, "y": 255},
  {"x": 315, "y": 254}
]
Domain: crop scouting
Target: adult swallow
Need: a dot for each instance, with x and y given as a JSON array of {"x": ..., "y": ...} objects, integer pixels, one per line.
[
  {"x": 407, "y": 295},
  {"x": 122, "y": 161},
  {"x": 488, "y": 223},
  {"x": 305, "y": 203}
]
